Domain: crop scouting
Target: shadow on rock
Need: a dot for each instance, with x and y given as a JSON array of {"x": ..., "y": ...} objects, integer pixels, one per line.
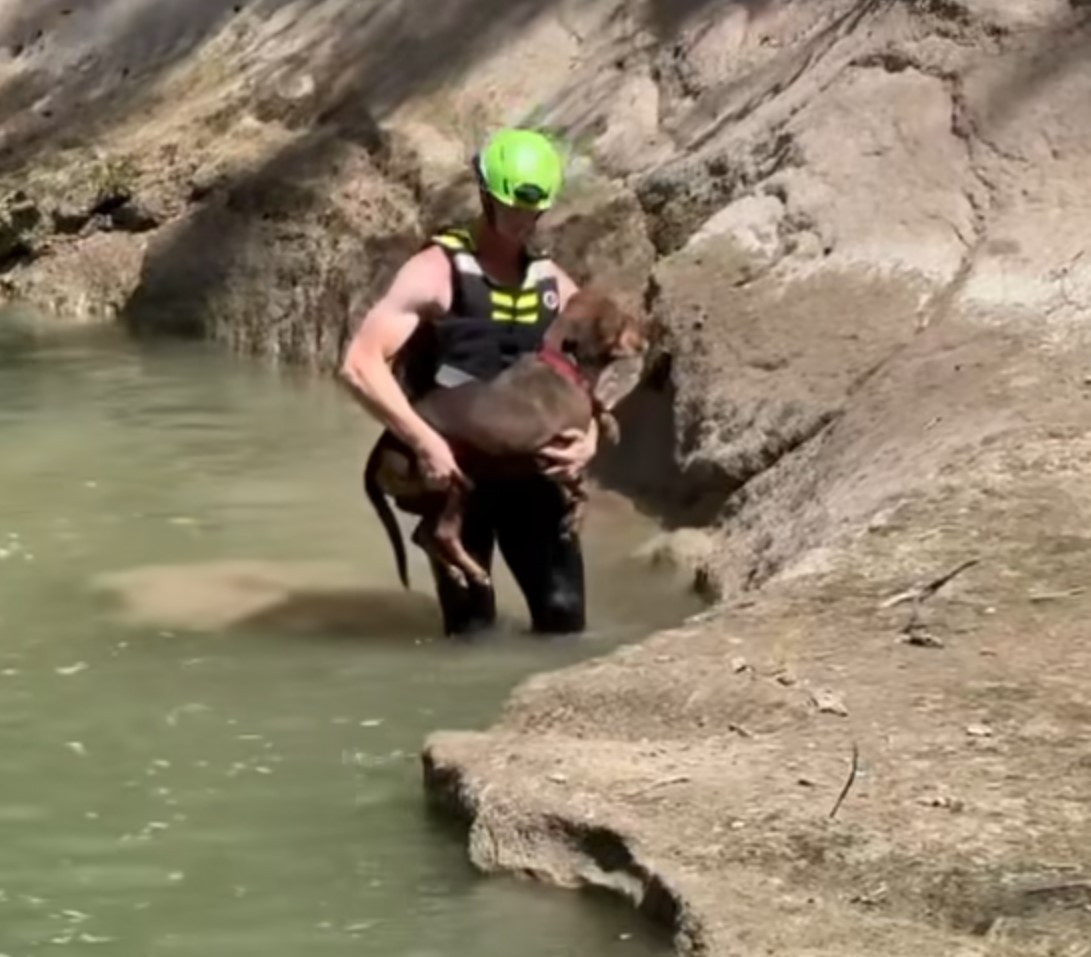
[
  {"x": 273, "y": 261},
  {"x": 644, "y": 467},
  {"x": 669, "y": 16},
  {"x": 1060, "y": 50},
  {"x": 272, "y": 264}
]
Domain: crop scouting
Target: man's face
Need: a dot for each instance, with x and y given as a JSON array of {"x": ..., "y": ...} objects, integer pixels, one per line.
[{"x": 514, "y": 223}]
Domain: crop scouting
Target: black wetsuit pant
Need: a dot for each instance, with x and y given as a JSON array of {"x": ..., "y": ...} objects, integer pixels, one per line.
[{"x": 525, "y": 518}]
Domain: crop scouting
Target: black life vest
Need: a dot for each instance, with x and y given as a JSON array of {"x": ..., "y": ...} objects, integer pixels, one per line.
[{"x": 489, "y": 326}]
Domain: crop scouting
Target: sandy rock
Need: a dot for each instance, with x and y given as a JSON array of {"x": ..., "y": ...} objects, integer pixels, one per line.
[
  {"x": 903, "y": 197},
  {"x": 86, "y": 283},
  {"x": 754, "y": 223}
]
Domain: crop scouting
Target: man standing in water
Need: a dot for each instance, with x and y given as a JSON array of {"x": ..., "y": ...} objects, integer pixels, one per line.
[{"x": 464, "y": 307}]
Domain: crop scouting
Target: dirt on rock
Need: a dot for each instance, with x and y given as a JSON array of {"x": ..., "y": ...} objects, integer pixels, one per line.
[{"x": 861, "y": 229}]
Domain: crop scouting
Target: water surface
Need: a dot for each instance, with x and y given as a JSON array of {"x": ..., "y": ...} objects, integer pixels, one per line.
[{"x": 213, "y": 690}]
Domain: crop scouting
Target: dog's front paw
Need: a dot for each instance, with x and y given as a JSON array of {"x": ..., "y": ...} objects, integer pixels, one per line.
[{"x": 457, "y": 575}]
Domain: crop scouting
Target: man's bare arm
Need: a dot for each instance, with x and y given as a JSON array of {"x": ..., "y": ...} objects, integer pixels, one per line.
[{"x": 420, "y": 288}]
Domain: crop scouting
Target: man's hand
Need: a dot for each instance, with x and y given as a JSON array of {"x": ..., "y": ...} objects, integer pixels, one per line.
[
  {"x": 438, "y": 465},
  {"x": 569, "y": 454}
]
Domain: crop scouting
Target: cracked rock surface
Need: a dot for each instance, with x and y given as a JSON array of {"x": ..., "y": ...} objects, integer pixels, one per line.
[{"x": 861, "y": 228}]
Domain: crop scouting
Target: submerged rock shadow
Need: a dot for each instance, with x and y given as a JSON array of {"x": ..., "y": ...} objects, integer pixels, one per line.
[
  {"x": 311, "y": 600},
  {"x": 366, "y": 614}
]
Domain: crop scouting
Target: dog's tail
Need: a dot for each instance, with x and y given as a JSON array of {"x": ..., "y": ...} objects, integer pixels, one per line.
[{"x": 375, "y": 494}]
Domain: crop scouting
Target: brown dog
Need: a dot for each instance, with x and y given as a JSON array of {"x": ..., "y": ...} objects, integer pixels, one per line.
[{"x": 591, "y": 357}]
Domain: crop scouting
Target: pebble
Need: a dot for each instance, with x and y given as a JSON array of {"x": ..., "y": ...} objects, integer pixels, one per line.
[
  {"x": 979, "y": 731},
  {"x": 829, "y": 702},
  {"x": 942, "y": 801}
]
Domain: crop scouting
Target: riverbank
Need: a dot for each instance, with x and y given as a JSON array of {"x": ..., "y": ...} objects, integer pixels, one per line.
[
  {"x": 859, "y": 227},
  {"x": 702, "y": 774}
]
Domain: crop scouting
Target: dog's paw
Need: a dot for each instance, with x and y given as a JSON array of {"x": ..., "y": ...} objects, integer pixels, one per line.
[
  {"x": 483, "y": 579},
  {"x": 457, "y": 575}
]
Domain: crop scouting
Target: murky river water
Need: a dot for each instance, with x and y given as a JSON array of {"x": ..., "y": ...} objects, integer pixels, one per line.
[{"x": 213, "y": 691}]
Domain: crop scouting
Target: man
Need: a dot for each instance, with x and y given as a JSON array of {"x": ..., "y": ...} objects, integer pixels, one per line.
[{"x": 466, "y": 306}]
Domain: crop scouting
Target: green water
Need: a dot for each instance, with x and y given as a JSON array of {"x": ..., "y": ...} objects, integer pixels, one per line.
[{"x": 213, "y": 693}]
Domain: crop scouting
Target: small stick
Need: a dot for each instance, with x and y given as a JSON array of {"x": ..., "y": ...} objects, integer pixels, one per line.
[
  {"x": 1059, "y": 888},
  {"x": 849, "y": 783},
  {"x": 926, "y": 591},
  {"x": 1056, "y": 595},
  {"x": 656, "y": 785},
  {"x": 918, "y": 596}
]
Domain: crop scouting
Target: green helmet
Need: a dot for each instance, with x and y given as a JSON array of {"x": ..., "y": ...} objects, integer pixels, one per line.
[{"x": 521, "y": 168}]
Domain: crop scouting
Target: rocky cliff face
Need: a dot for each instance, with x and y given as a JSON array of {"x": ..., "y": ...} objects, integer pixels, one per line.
[{"x": 861, "y": 227}]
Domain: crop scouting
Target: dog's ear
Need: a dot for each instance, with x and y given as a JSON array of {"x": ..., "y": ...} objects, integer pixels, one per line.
[{"x": 629, "y": 334}]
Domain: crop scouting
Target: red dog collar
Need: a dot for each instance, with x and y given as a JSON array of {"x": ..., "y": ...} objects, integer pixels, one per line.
[{"x": 565, "y": 366}]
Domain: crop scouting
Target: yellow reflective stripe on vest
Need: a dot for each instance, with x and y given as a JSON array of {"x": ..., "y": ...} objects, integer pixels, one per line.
[
  {"x": 503, "y": 315},
  {"x": 450, "y": 242},
  {"x": 506, "y": 307}
]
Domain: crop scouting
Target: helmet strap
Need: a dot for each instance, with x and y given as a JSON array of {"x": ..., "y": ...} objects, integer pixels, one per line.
[
  {"x": 479, "y": 173},
  {"x": 488, "y": 206}
]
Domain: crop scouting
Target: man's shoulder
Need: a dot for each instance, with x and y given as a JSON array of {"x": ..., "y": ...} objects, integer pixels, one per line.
[
  {"x": 429, "y": 261},
  {"x": 422, "y": 283},
  {"x": 450, "y": 238}
]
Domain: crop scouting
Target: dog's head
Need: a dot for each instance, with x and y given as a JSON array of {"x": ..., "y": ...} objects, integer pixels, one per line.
[
  {"x": 607, "y": 342},
  {"x": 595, "y": 331}
]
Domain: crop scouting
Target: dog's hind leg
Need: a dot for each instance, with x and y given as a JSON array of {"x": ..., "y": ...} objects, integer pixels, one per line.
[
  {"x": 449, "y": 537},
  {"x": 425, "y": 536}
]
